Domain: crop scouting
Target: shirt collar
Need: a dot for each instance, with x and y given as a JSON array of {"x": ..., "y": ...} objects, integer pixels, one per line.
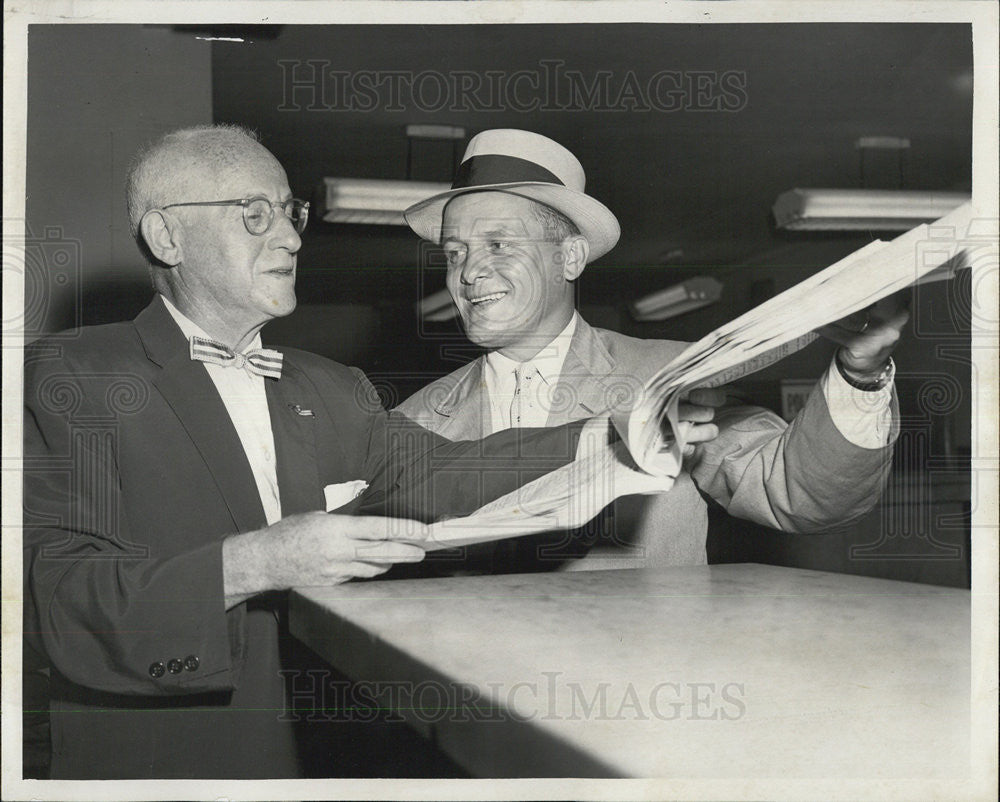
[
  {"x": 548, "y": 362},
  {"x": 191, "y": 329}
]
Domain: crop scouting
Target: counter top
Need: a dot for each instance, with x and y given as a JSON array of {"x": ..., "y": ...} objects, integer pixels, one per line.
[{"x": 712, "y": 671}]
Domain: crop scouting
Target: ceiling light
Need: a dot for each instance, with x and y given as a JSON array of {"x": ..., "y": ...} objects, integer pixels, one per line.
[
  {"x": 374, "y": 200},
  {"x": 861, "y": 209},
  {"x": 676, "y": 300},
  {"x": 379, "y": 201}
]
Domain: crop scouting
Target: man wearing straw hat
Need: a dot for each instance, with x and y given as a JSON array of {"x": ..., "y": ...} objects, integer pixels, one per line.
[{"x": 518, "y": 230}]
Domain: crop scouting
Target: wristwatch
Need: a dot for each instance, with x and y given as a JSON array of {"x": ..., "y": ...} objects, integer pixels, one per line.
[{"x": 882, "y": 380}]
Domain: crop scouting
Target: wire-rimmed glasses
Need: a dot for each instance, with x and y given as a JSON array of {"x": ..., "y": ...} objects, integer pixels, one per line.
[{"x": 258, "y": 212}]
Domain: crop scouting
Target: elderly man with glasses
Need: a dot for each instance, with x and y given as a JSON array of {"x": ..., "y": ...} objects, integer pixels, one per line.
[{"x": 178, "y": 475}]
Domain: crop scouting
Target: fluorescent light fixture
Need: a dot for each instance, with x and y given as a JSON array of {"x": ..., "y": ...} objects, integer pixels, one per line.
[
  {"x": 425, "y": 131},
  {"x": 374, "y": 200},
  {"x": 676, "y": 300},
  {"x": 437, "y": 307},
  {"x": 861, "y": 209},
  {"x": 882, "y": 143}
]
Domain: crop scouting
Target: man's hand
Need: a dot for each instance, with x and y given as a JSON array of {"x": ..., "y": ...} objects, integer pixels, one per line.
[
  {"x": 868, "y": 338},
  {"x": 316, "y": 548},
  {"x": 695, "y": 415}
]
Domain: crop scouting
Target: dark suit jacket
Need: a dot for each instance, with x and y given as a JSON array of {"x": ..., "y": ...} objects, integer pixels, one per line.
[
  {"x": 799, "y": 478},
  {"x": 133, "y": 476}
]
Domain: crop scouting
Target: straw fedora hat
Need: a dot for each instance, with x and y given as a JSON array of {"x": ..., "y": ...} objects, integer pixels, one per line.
[{"x": 527, "y": 164}]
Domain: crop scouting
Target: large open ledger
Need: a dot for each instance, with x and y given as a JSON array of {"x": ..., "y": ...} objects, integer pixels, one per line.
[{"x": 648, "y": 455}]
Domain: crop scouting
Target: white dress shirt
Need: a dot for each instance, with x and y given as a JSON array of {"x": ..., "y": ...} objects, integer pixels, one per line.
[
  {"x": 523, "y": 393},
  {"x": 243, "y": 394}
]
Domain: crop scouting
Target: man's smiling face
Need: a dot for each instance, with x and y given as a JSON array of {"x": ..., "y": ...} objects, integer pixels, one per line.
[{"x": 506, "y": 277}]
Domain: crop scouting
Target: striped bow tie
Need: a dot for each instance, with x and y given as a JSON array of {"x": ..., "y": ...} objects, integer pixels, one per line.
[{"x": 260, "y": 361}]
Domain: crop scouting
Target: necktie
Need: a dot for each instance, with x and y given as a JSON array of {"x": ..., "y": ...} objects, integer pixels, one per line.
[
  {"x": 515, "y": 403},
  {"x": 259, "y": 361},
  {"x": 522, "y": 406}
]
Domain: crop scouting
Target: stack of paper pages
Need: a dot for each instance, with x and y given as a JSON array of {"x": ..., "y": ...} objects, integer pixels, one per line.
[{"x": 655, "y": 439}]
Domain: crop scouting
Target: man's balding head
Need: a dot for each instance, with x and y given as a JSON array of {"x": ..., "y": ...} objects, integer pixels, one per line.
[
  {"x": 184, "y": 200},
  {"x": 176, "y": 167}
]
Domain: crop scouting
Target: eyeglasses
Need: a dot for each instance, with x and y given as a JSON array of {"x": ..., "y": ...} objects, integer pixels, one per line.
[{"x": 258, "y": 213}]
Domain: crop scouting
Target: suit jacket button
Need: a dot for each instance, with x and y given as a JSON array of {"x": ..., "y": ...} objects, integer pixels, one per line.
[
  {"x": 175, "y": 666},
  {"x": 157, "y": 670},
  {"x": 191, "y": 662}
]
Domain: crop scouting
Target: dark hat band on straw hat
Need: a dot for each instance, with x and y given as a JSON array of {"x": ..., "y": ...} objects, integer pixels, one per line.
[{"x": 492, "y": 169}]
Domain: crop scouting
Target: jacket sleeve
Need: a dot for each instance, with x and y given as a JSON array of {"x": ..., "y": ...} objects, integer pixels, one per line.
[
  {"x": 107, "y": 607},
  {"x": 800, "y": 477},
  {"x": 415, "y": 473}
]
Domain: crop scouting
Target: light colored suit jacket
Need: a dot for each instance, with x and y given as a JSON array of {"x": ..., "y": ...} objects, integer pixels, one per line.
[{"x": 803, "y": 477}]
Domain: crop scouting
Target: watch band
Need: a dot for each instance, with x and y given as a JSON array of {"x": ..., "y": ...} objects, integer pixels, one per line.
[{"x": 882, "y": 380}]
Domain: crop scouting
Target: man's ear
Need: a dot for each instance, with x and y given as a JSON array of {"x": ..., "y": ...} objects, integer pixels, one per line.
[
  {"x": 576, "y": 249},
  {"x": 162, "y": 235}
]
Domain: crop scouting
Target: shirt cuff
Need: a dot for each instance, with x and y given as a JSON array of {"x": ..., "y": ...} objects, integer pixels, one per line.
[{"x": 864, "y": 417}]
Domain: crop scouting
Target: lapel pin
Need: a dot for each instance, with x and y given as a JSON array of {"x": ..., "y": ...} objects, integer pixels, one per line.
[{"x": 305, "y": 413}]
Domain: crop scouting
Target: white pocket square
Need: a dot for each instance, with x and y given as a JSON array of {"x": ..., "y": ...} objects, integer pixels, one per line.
[{"x": 338, "y": 495}]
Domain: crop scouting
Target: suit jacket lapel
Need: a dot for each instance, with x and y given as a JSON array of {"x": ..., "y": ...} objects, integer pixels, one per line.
[
  {"x": 187, "y": 388},
  {"x": 295, "y": 440},
  {"x": 467, "y": 406},
  {"x": 586, "y": 374}
]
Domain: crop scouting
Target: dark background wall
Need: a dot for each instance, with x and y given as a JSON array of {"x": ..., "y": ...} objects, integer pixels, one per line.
[
  {"x": 96, "y": 94},
  {"x": 754, "y": 110}
]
